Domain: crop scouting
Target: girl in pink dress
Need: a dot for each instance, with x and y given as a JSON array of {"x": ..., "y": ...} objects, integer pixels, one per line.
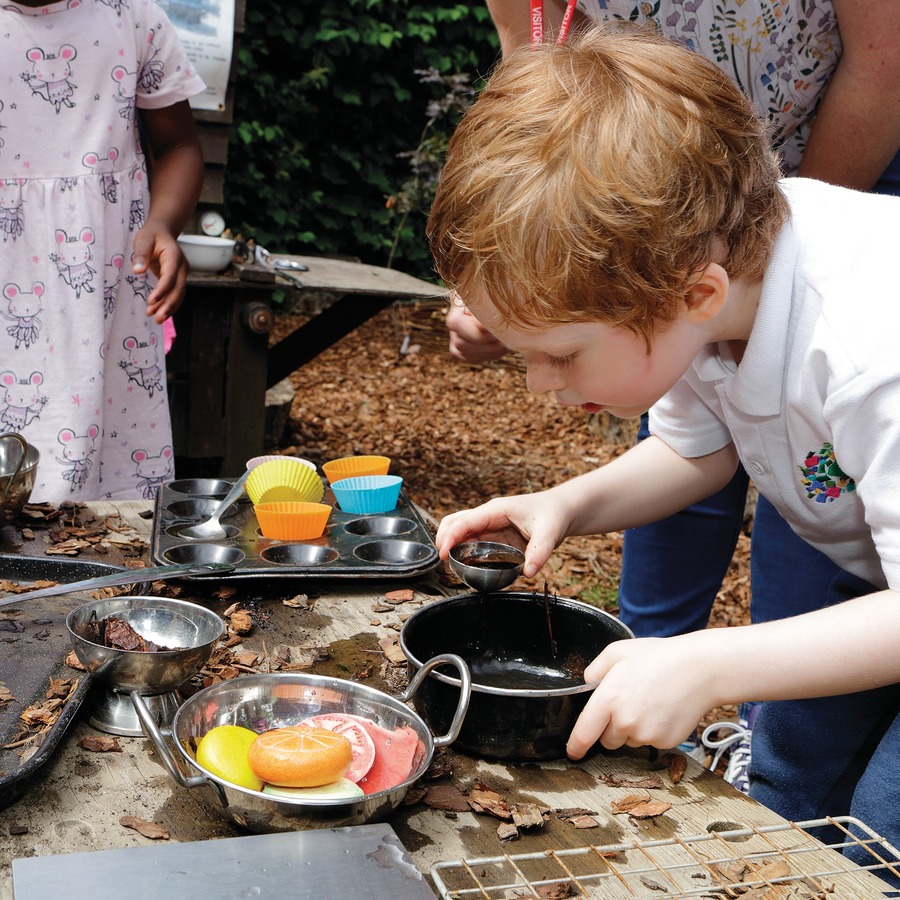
[{"x": 90, "y": 91}]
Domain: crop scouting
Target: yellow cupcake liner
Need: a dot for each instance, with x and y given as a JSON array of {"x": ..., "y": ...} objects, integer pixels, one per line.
[
  {"x": 284, "y": 480},
  {"x": 291, "y": 520},
  {"x": 354, "y": 466}
]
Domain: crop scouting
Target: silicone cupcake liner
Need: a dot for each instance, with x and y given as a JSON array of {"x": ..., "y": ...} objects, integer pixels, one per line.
[
  {"x": 355, "y": 466},
  {"x": 292, "y": 521},
  {"x": 283, "y": 480},
  {"x": 368, "y": 493},
  {"x": 259, "y": 460}
]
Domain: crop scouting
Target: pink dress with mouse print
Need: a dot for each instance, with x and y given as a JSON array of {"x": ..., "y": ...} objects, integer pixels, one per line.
[{"x": 82, "y": 367}]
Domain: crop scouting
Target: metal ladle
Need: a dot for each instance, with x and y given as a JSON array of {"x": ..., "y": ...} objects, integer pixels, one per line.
[
  {"x": 486, "y": 566},
  {"x": 210, "y": 529}
]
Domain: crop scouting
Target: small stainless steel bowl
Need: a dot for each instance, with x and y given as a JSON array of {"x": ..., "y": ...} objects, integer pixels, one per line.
[
  {"x": 392, "y": 553},
  {"x": 379, "y": 526},
  {"x": 200, "y": 508},
  {"x": 231, "y": 531},
  {"x": 18, "y": 468},
  {"x": 486, "y": 566},
  {"x": 201, "y": 487},
  {"x": 188, "y": 627},
  {"x": 204, "y": 553},
  {"x": 299, "y": 554}
]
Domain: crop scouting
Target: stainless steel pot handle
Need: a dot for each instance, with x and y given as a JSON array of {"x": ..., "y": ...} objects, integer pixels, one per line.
[
  {"x": 465, "y": 692},
  {"x": 157, "y": 736}
]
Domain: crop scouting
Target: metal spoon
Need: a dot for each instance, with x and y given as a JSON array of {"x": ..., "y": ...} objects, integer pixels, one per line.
[
  {"x": 211, "y": 530},
  {"x": 129, "y": 576}
]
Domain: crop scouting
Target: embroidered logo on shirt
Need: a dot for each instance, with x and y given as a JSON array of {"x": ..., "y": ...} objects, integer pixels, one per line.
[{"x": 823, "y": 478}]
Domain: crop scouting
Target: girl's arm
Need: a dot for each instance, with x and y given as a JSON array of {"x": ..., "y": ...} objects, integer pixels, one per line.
[
  {"x": 176, "y": 176},
  {"x": 856, "y": 132},
  {"x": 653, "y": 691}
]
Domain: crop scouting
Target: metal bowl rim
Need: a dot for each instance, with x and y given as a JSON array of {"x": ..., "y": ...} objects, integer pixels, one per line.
[
  {"x": 163, "y": 601},
  {"x": 535, "y": 693}
]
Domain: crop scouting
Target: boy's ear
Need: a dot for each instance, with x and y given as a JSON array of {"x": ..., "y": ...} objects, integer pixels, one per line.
[{"x": 706, "y": 297}]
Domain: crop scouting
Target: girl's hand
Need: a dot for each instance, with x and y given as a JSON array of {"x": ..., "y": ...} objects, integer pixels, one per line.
[
  {"x": 533, "y": 522},
  {"x": 652, "y": 691},
  {"x": 157, "y": 250}
]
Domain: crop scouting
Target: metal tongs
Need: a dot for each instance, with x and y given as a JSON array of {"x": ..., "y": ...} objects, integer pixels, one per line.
[{"x": 128, "y": 576}]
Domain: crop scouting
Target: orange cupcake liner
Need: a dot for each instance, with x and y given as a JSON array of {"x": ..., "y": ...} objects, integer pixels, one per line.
[
  {"x": 292, "y": 520},
  {"x": 354, "y": 466}
]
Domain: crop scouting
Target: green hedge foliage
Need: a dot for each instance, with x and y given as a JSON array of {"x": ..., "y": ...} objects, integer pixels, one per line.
[{"x": 331, "y": 116}]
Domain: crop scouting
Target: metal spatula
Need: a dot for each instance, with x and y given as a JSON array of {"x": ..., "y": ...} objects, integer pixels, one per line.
[{"x": 128, "y": 576}]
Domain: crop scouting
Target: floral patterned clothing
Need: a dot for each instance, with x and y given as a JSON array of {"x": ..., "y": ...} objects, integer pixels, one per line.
[
  {"x": 780, "y": 52},
  {"x": 812, "y": 407},
  {"x": 82, "y": 371}
]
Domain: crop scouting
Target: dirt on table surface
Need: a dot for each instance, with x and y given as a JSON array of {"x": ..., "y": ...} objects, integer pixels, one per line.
[{"x": 460, "y": 434}]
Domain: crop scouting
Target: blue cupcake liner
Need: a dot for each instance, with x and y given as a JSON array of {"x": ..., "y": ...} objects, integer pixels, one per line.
[{"x": 368, "y": 493}]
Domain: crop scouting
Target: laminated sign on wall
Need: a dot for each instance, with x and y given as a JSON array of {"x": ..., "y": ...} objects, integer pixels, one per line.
[{"x": 206, "y": 28}]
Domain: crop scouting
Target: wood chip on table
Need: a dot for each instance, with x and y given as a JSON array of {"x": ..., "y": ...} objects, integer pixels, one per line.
[
  {"x": 506, "y": 831},
  {"x": 297, "y": 601},
  {"x": 527, "y": 816},
  {"x": 240, "y": 622},
  {"x": 640, "y": 806},
  {"x": 404, "y": 595},
  {"x": 147, "y": 829},
  {"x": 561, "y": 891},
  {"x": 447, "y": 797},
  {"x": 67, "y": 548},
  {"x": 100, "y": 744},
  {"x": 393, "y": 653},
  {"x": 73, "y": 662},
  {"x": 6, "y": 695},
  {"x": 648, "y": 782},
  {"x": 675, "y": 763},
  {"x": 224, "y": 592},
  {"x": 486, "y": 800}
]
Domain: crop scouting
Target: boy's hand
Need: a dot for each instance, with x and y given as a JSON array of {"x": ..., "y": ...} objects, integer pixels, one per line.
[
  {"x": 529, "y": 521},
  {"x": 470, "y": 341},
  {"x": 652, "y": 692},
  {"x": 157, "y": 250}
]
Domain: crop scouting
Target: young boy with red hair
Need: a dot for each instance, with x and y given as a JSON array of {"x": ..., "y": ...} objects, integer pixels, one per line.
[{"x": 611, "y": 209}]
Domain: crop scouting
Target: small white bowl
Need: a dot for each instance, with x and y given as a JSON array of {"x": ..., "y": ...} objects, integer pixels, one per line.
[{"x": 205, "y": 253}]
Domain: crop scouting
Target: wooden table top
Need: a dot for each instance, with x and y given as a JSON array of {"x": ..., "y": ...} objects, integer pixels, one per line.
[{"x": 80, "y": 797}]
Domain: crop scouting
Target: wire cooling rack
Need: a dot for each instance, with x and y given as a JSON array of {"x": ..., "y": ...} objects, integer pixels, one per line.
[{"x": 772, "y": 862}]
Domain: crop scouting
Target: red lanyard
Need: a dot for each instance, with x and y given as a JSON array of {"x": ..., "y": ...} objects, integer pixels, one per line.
[{"x": 537, "y": 22}]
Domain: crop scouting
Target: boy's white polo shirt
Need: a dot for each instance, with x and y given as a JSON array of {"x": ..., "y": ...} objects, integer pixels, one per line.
[{"x": 814, "y": 407}]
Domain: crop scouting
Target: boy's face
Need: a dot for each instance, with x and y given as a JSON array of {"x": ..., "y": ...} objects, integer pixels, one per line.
[{"x": 598, "y": 366}]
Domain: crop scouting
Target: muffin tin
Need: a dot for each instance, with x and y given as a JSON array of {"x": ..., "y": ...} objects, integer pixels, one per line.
[{"x": 396, "y": 544}]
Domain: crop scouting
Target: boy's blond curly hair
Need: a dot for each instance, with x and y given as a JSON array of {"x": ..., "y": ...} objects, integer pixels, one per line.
[{"x": 591, "y": 180}]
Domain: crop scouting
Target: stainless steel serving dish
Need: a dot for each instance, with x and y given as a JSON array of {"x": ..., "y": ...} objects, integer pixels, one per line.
[{"x": 262, "y": 702}]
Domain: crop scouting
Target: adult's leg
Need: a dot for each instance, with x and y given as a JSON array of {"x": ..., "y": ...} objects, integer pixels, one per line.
[{"x": 673, "y": 569}]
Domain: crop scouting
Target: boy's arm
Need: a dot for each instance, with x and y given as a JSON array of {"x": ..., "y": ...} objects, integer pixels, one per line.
[
  {"x": 512, "y": 19},
  {"x": 176, "y": 176},
  {"x": 647, "y": 483},
  {"x": 654, "y": 691},
  {"x": 856, "y": 132}
]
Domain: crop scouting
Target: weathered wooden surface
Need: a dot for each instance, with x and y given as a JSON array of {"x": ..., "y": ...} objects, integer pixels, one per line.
[{"x": 78, "y": 802}]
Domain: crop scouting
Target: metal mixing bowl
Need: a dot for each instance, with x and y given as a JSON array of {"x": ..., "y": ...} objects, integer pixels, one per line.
[
  {"x": 169, "y": 623},
  {"x": 18, "y": 467},
  {"x": 262, "y": 702}
]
